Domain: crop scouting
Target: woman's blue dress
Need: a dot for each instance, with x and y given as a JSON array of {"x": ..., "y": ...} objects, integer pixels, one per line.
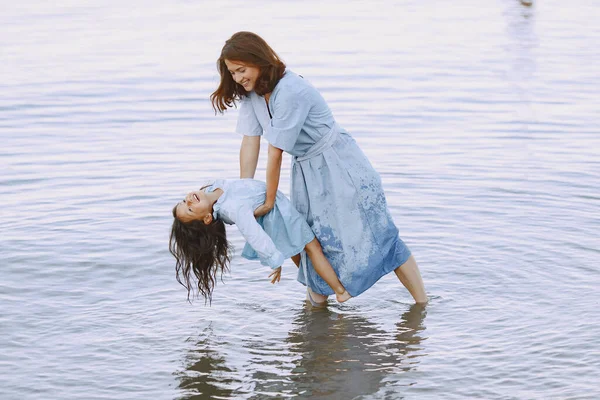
[{"x": 333, "y": 185}]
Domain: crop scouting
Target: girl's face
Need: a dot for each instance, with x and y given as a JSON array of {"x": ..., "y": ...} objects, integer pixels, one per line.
[
  {"x": 243, "y": 74},
  {"x": 195, "y": 206}
]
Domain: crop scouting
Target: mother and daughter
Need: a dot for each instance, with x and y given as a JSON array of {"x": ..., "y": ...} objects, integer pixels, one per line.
[{"x": 336, "y": 228}]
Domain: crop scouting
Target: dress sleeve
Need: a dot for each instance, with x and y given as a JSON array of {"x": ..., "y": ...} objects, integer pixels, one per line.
[
  {"x": 247, "y": 123},
  {"x": 258, "y": 238},
  {"x": 289, "y": 113}
]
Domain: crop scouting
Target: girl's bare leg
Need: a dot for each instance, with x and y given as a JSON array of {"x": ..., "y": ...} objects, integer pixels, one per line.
[
  {"x": 410, "y": 276},
  {"x": 325, "y": 271}
]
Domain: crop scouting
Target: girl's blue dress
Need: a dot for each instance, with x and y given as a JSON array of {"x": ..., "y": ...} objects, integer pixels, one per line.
[
  {"x": 333, "y": 185},
  {"x": 272, "y": 238}
]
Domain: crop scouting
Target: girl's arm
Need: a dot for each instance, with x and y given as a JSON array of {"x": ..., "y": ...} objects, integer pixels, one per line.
[
  {"x": 249, "y": 151},
  {"x": 273, "y": 173},
  {"x": 258, "y": 238}
]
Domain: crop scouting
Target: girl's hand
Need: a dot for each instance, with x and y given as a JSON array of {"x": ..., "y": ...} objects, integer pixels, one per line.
[
  {"x": 276, "y": 274},
  {"x": 263, "y": 209}
]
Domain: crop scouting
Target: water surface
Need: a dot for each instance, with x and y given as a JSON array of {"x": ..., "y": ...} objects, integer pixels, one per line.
[{"x": 480, "y": 117}]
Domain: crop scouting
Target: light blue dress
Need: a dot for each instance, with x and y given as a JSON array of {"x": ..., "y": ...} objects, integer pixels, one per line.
[
  {"x": 272, "y": 238},
  {"x": 333, "y": 185}
]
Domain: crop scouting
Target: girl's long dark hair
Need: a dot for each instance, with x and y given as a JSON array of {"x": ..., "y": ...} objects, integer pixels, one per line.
[
  {"x": 251, "y": 49},
  {"x": 200, "y": 248}
]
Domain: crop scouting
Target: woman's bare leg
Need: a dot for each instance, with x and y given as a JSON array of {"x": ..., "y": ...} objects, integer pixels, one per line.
[
  {"x": 325, "y": 270},
  {"x": 296, "y": 260},
  {"x": 410, "y": 276},
  {"x": 315, "y": 299}
]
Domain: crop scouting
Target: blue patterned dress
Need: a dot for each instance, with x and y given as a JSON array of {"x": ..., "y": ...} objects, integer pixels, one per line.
[{"x": 333, "y": 185}]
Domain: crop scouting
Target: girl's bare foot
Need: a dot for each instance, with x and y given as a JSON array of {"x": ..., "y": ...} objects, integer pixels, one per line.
[{"x": 343, "y": 297}]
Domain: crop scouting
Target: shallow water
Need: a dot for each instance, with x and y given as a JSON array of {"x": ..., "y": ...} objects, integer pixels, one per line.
[{"x": 482, "y": 119}]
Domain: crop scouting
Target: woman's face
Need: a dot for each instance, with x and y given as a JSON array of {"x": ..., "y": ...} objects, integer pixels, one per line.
[
  {"x": 243, "y": 74},
  {"x": 195, "y": 206}
]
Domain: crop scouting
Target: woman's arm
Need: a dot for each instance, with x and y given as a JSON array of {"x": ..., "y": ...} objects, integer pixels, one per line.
[
  {"x": 249, "y": 151},
  {"x": 273, "y": 172}
]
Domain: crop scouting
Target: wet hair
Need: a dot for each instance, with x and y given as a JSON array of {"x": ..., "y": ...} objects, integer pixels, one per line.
[
  {"x": 200, "y": 248},
  {"x": 250, "y": 49}
]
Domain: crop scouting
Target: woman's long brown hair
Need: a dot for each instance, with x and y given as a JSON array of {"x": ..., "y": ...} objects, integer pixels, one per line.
[
  {"x": 201, "y": 249},
  {"x": 250, "y": 49}
]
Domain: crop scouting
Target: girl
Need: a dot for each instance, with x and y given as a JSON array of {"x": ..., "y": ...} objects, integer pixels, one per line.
[
  {"x": 199, "y": 243},
  {"x": 334, "y": 186}
]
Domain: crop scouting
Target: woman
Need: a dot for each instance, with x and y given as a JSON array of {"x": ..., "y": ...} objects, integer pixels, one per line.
[{"x": 333, "y": 185}]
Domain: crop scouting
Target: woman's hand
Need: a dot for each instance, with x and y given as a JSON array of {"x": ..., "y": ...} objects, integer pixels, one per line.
[
  {"x": 276, "y": 274},
  {"x": 263, "y": 209}
]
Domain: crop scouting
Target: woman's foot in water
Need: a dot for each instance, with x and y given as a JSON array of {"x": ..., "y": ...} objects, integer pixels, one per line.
[{"x": 316, "y": 299}]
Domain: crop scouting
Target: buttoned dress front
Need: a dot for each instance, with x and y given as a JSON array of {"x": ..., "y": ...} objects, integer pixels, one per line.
[
  {"x": 333, "y": 185},
  {"x": 280, "y": 234}
]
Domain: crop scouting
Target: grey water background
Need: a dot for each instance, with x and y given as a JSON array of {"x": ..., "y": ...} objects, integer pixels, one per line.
[{"x": 481, "y": 117}]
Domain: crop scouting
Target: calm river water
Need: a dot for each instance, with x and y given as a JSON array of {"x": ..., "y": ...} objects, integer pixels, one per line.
[{"x": 481, "y": 117}]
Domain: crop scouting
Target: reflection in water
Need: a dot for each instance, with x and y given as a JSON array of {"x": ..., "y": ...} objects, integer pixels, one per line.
[
  {"x": 206, "y": 376},
  {"x": 522, "y": 42},
  {"x": 521, "y": 32},
  {"x": 326, "y": 355},
  {"x": 338, "y": 356}
]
